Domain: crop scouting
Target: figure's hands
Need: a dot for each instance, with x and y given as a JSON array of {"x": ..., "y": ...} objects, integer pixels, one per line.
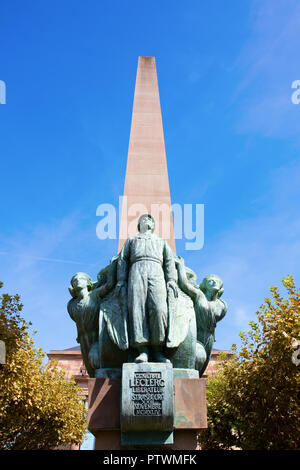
[
  {"x": 173, "y": 286},
  {"x": 119, "y": 287},
  {"x": 179, "y": 260},
  {"x": 103, "y": 290}
]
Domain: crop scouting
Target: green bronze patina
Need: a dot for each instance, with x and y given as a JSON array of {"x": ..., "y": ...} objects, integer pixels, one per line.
[
  {"x": 2, "y": 352},
  {"x": 146, "y": 307}
]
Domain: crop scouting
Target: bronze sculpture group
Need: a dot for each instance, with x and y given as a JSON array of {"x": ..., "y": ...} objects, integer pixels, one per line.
[{"x": 145, "y": 307}]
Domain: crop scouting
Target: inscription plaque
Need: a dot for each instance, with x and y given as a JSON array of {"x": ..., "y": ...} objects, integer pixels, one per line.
[
  {"x": 147, "y": 392},
  {"x": 147, "y": 397}
]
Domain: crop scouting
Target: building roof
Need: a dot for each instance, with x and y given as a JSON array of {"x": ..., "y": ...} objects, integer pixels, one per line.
[{"x": 76, "y": 349}]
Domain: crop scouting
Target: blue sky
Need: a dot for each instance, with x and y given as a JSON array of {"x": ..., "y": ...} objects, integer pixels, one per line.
[{"x": 225, "y": 71}]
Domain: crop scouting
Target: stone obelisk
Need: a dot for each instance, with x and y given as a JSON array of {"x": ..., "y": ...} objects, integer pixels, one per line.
[
  {"x": 146, "y": 187},
  {"x": 153, "y": 405}
]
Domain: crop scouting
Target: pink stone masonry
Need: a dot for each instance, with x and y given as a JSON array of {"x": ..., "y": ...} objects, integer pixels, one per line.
[{"x": 146, "y": 180}]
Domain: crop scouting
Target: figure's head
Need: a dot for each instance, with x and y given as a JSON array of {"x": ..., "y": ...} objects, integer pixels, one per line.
[
  {"x": 80, "y": 281},
  {"x": 212, "y": 284},
  {"x": 146, "y": 222}
]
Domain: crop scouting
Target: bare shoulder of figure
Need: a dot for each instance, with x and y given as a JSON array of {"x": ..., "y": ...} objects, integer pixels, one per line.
[{"x": 201, "y": 298}]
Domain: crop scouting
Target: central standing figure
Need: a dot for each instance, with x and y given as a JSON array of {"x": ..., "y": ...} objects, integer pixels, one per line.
[{"x": 146, "y": 271}]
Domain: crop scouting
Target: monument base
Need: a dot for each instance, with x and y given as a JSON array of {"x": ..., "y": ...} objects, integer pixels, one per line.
[
  {"x": 142, "y": 439},
  {"x": 189, "y": 414},
  {"x": 184, "y": 439}
]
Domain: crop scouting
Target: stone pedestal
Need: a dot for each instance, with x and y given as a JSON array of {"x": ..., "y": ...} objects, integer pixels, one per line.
[
  {"x": 147, "y": 404},
  {"x": 105, "y": 408}
]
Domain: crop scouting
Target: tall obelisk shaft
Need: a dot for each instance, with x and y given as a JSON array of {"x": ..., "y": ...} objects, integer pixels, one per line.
[{"x": 146, "y": 183}]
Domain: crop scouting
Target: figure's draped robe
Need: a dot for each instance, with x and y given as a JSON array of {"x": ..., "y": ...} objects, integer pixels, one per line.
[{"x": 147, "y": 263}]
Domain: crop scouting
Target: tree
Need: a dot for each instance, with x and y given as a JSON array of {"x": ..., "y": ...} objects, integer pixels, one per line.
[
  {"x": 13, "y": 327},
  {"x": 38, "y": 408},
  {"x": 253, "y": 399}
]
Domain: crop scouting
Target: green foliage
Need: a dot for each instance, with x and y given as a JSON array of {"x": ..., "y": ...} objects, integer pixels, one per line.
[
  {"x": 12, "y": 326},
  {"x": 253, "y": 399},
  {"x": 38, "y": 408}
]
